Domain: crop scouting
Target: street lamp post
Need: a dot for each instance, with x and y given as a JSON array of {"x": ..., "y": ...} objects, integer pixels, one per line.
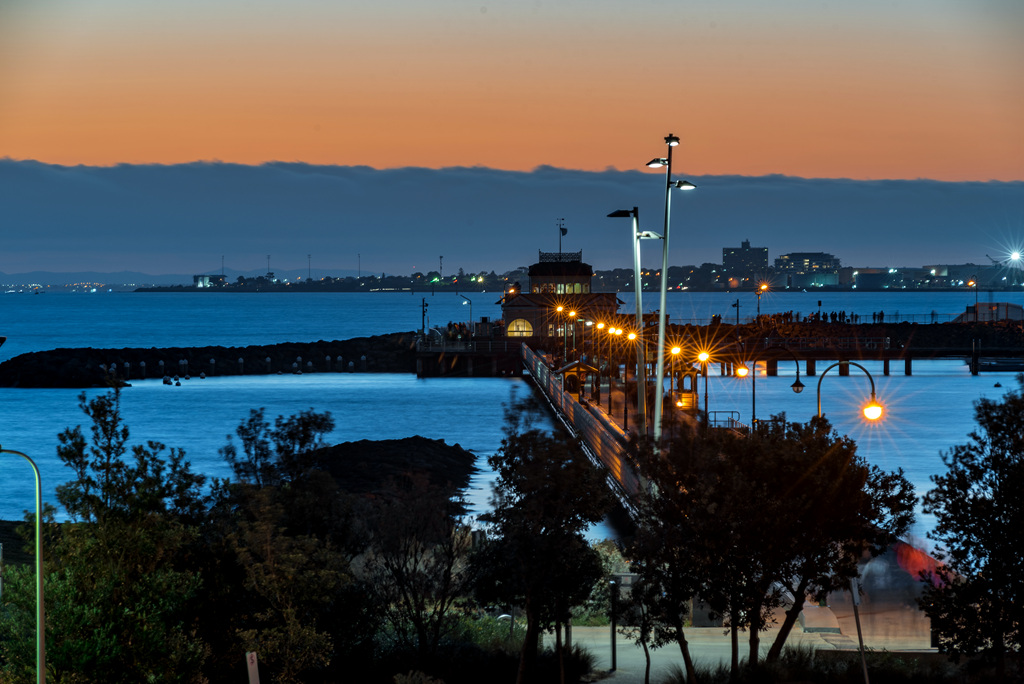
[
  {"x": 742, "y": 371},
  {"x": 761, "y": 289},
  {"x": 973, "y": 282},
  {"x": 470, "y": 314},
  {"x": 703, "y": 357},
  {"x": 559, "y": 309},
  {"x": 637, "y": 237},
  {"x": 575, "y": 349},
  {"x": 612, "y": 353},
  {"x": 40, "y": 606},
  {"x": 872, "y": 410},
  {"x": 671, "y": 141}
]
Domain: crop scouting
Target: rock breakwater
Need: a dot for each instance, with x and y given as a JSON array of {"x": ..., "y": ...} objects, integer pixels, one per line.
[{"x": 88, "y": 367}]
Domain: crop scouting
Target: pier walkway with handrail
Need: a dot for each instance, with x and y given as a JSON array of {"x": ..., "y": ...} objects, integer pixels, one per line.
[{"x": 889, "y": 591}]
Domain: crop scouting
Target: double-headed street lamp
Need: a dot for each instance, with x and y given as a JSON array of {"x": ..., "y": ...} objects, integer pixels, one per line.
[
  {"x": 637, "y": 236},
  {"x": 671, "y": 141},
  {"x": 872, "y": 410}
]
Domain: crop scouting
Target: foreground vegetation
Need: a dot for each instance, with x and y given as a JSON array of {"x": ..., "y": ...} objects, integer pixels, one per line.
[{"x": 160, "y": 575}]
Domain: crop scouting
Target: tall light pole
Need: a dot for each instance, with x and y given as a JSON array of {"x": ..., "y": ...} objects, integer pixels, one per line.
[
  {"x": 40, "y": 609},
  {"x": 470, "y": 314},
  {"x": 671, "y": 141},
  {"x": 872, "y": 410},
  {"x": 565, "y": 347},
  {"x": 641, "y": 370}
]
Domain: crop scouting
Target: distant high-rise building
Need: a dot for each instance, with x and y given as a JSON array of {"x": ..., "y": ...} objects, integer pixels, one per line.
[
  {"x": 803, "y": 269},
  {"x": 744, "y": 261}
]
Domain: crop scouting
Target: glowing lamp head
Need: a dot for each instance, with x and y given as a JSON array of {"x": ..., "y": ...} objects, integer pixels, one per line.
[
  {"x": 1015, "y": 256},
  {"x": 764, "y": 287},
  {"x": 676, "y": 351},
  {"x": 873, "y": 410},
  {"x": 657, "y": 163},
  {"x": 797, "y": 386},
  {"x": 703, "y": 357},
  {"x": 572, "y": 314},
  {"x": 742, "y": 371},
  {"x": 631, "y": 335},
  {"x": 559, "y": 308},
  {"x": 600, "y": 326},
  {"x": 672, "y": 140}
]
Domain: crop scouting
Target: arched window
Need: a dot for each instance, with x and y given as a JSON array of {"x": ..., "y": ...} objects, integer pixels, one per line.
[{"x": 520, "y": 327}]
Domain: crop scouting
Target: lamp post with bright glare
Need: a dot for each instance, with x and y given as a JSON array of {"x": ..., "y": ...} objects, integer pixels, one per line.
[
  {"x": 761, "y": 289},
  {"x": 742, "y": 372},
  {"x": 575, "y": 349},
  {"x": 671, "y": 141},
  {"x": 704, "y": 357},
  {"x": 40, "y": 606},
  {"x": 973, "y": 282},
  {"x": 872, "y": 410},
  {"x": 559, "y": 309}
]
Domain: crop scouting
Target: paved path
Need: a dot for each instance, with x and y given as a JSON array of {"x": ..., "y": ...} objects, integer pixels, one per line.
[
  {"x": 892, "y": 628},
  {"x": 889, "y": 620}
]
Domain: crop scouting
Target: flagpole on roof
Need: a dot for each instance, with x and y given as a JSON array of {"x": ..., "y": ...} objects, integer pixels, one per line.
[{"x": 561, "y": 231}]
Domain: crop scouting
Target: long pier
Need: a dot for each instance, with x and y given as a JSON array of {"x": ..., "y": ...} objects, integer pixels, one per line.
[
  {"x": 983, "y": 346},
  {"x": 602, "y": 439}
]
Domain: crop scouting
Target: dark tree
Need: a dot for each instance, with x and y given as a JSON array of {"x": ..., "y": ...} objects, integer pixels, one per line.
[
  {"x": 417, "y": 562},
  {"x": 974, "y": 597},
  {"x": 546, "y": 494},
  {"x": 739, "y": 521},
  {"x": 272, "y": 456},
  {"x": 120, "y": 591}
]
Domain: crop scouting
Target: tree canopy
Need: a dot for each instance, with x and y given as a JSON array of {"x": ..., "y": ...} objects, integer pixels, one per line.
[
  {"x": 974, "y": 596},
  {"x": 545, "y": 495},
  {"x": 742, "y": 521}
]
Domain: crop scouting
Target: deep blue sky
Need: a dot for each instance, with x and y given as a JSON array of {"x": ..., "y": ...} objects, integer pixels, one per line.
[{"x": 184, "y": 218}]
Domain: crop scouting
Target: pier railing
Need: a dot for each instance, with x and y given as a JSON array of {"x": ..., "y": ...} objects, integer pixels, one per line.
[
  {"x": 604, "y": 442},
  {"x": 482, "y": 346}
]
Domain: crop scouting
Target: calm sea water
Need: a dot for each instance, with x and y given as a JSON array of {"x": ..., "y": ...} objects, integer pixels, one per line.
[{"x": 926, "y": 413}]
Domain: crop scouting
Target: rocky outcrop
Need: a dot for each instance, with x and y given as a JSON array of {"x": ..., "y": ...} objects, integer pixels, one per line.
[
  {"x": 87, "y": 367},
  {"x": 373, "y": 467}
]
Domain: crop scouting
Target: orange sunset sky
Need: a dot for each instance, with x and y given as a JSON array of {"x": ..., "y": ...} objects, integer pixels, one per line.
[{"x": 832, "y": 89}]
